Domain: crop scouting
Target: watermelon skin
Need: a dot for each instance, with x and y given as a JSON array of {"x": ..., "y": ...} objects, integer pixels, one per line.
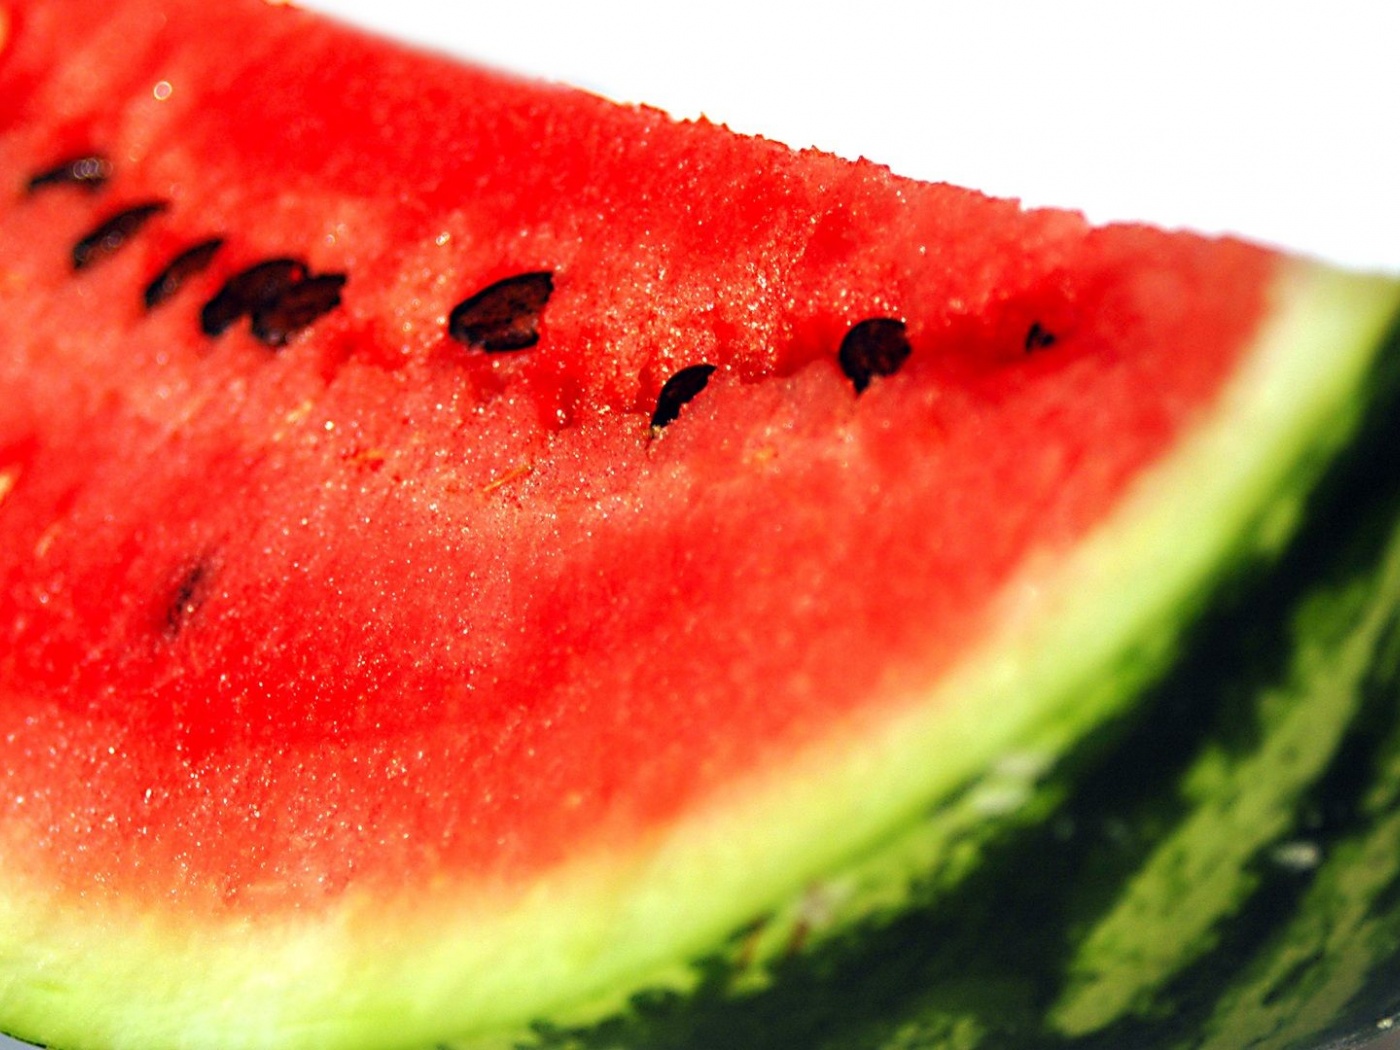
[{"x": 119, "y": 640}]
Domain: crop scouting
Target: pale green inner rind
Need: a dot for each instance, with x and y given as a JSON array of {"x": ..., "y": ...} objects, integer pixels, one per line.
[{"x": 839, "y": 826}]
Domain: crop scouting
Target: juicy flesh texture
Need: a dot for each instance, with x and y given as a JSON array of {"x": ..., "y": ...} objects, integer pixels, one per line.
[{"x": 384, "y": 607}]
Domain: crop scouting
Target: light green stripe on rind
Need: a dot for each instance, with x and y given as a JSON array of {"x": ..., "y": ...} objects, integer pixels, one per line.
[
  {"x": 1171, "y": 912},
  {"x": 951, "y": 1033},
  {"x": 1325, "y": 957}
]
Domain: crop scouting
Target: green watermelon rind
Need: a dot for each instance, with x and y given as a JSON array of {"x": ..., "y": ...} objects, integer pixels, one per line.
[
  {"x": 1262, "y": 808},
  {"x": 1080, "y": 637},
  {"x": 1313, "y": 976},
  {"x": 1198, "y": 875}
]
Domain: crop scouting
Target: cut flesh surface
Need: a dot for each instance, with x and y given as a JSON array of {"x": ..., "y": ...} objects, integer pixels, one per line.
[{"x": 379, "y": 642}]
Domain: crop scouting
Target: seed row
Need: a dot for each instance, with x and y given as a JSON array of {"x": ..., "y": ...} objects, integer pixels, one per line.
[{"x": 281, "y": 296}]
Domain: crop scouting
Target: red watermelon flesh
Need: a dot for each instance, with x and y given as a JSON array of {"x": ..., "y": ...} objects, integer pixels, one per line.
[
  {"x": 370, "y": 610},
  {"x": 473, "y": 596}
]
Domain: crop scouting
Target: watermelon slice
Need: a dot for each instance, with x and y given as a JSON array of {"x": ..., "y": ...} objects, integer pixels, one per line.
[{"x": 482, "y": 566}]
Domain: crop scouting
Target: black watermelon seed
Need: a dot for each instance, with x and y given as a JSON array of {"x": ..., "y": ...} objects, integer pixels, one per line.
[
  {"x": 503, "y": 316},
  {"x": 113, "y": 233},
  {"x": 248, "y": 291},
  {"x": 678, "y": 390},
  {"x": 186, "y": 597},
  {"x": 89, "y": 172},
  {"x": 296, "y": 307},
  {"x": 187, "y": 264},
  {"x": 1038, "y": 338},
  {"x": 874, "y": 347}
]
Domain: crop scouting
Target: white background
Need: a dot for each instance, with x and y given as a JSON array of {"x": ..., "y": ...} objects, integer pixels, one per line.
[
  {"x": 1274, "y": 121},
  {"x": 1278, "y": 121}
]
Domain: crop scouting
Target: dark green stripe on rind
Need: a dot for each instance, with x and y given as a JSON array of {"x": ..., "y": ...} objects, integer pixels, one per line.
[{"x": 1220, "y": 876}]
